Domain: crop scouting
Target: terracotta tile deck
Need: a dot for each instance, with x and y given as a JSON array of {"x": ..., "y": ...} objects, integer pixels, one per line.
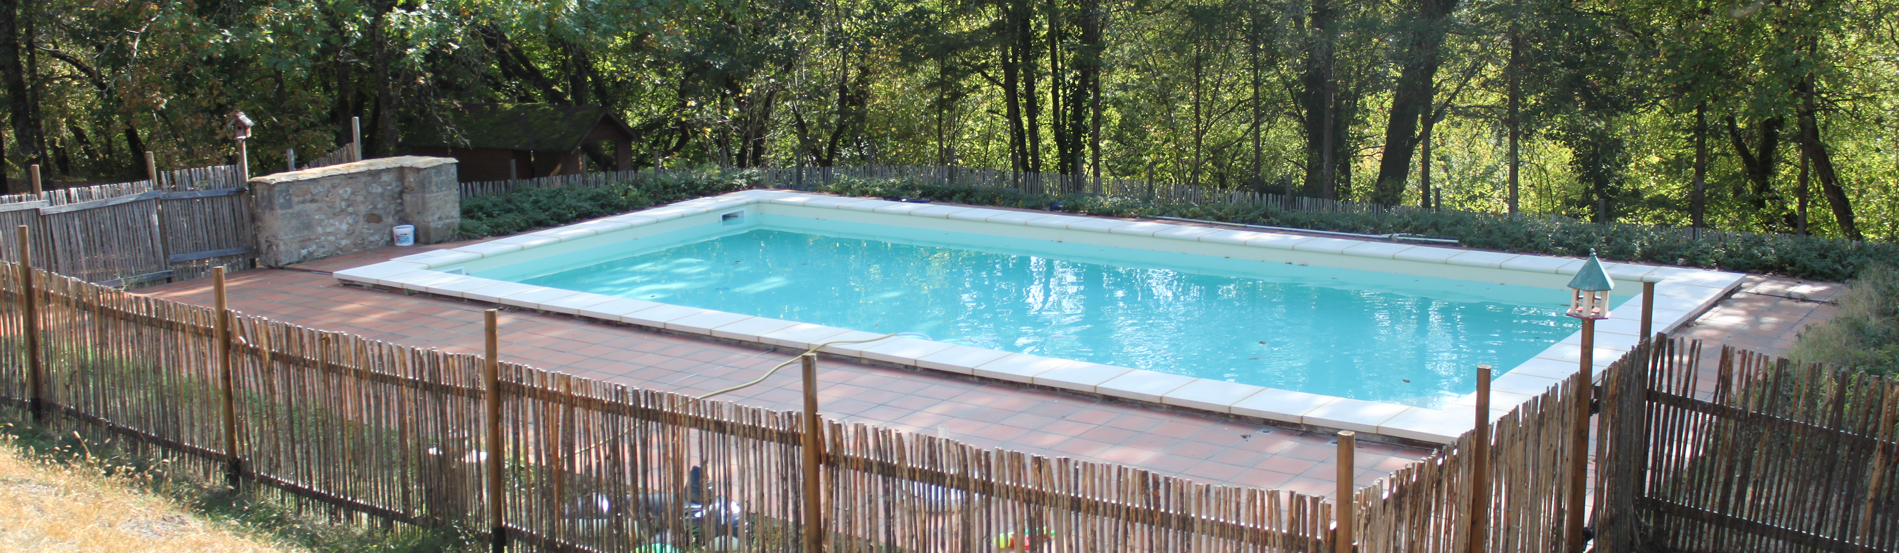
[
  {"x": 1207, "y": 449},
  {"x": 1764, "y": 315}
]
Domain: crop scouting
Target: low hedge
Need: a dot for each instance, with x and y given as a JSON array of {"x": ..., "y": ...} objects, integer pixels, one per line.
[
  {"x": 536, "y": 208},
  {"x": 1795, "y": 256}
]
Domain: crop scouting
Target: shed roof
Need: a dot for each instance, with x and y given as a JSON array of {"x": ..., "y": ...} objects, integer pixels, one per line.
[{"x": 533, "y": 127}]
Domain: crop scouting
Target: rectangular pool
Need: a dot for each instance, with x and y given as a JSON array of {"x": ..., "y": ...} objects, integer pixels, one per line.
[
  {"x": 1318, "y": 331},
  {"x": 1404, "y": 339}
]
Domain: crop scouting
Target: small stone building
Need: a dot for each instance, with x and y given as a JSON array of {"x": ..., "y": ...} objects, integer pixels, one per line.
[{"x": 522, "y": 141}]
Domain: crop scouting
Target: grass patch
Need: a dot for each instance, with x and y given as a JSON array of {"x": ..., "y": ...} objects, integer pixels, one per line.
[
  {"x": 1862, "y": 335},
  {"x": 244, "y": 521}
]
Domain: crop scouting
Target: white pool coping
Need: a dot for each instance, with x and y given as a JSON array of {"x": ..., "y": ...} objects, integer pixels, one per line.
[{"x": 1682, "y": 293}]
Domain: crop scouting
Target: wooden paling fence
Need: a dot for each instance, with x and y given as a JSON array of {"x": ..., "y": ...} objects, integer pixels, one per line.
[
  {"x": 1780, "y": 457},
  {"x": 173, "y": 226},
  {"x": 348, "y": 152},
  {"x": 358, "y": 428},
  {"x": 1783, "y": 458},
  {"x": 1428, "y": 506},
  {"x": 343, "y": 154}
]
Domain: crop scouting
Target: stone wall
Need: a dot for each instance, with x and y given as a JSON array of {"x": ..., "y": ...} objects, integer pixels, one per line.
[{"x": 316, "y": 213}]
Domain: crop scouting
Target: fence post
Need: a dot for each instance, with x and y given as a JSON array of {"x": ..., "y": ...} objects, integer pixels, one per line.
[
  {"x": 244, "y": 160},
  {"x": 356, "y": 138},
  {"x": 1649, "y": 308},
  {"x": 33, "y": 178},
  {"x": 233, "y": 466},
  {"x": 814, "y": 458},
  {"x": 1344, "y": 516},
  {"x": 491, "y": 374},
  {"x": 1481, "y": 464},
  {"x": 1579, "y": 444},
  {"x": 30, "y": 324},
  {"x": 151, "y": 168}
]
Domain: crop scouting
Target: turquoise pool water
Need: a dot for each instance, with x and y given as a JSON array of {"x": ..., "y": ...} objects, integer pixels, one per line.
[{"x": 1367, "y": 335}]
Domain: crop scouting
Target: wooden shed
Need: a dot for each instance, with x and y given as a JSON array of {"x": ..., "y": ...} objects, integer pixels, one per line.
[{"x": 521, "y": 141}]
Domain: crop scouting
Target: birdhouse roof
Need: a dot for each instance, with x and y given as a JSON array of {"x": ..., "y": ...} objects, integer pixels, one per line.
[{"x": 1592, "y": 277}]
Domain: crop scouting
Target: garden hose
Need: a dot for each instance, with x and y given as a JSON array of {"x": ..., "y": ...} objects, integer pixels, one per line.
[{"x": 768, "y": 374}]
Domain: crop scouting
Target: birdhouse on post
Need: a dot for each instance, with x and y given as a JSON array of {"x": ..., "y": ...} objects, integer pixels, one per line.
[
  {"x": 1590, "y": 291},
  {"x": 243, "y": 124}
]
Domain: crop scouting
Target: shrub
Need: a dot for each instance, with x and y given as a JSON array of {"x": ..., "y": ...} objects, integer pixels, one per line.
[
  {"x": 536, "y": 208},
  {"x": 1797, "y": 256},
  {"x": 1862, "y": 335}
]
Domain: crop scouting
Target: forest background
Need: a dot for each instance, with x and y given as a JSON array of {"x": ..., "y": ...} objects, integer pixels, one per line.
[{"x": 1756, "y": 115}]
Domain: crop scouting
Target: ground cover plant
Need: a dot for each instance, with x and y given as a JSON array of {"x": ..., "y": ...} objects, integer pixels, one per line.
[
  {"x": 526, "y": 210},
  {"x": 1796, "y": 256},
  {"x": 1863, "y": 334}
]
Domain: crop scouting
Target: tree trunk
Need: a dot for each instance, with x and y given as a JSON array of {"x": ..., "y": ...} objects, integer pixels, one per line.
[
  {"x": 1319, "y": 96},
  {"x": 13, "y": 78},
  {"x": 1092, "y": 24},
  {"x": 1258, "y": 181},
  {"x": 1761, "y": 163},
  {"x": 1512, "y": 93},
  {"x": 1425, "y": 155},
  {"x": 1801, "y": 197},
  {"x": 1032, "y": 104},
  {"x": 1011, "y": 54},
  {"x": 1822, "y": 163},
  {"x": 1698, "y": 199},
  {"x": 1198, "y": 127},
  {"x": 1412, "y": 99},
  {"x": 386, "y": 126}
]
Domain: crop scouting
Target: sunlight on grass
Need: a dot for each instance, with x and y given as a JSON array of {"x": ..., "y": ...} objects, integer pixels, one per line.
[{"x": 49, "y": 505}]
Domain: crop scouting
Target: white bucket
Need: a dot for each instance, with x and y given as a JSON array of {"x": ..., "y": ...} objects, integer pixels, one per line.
[{"x": 405, "y": 235}]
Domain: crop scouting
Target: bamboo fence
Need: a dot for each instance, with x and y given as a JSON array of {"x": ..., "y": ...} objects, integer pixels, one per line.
[
  {"x": 1427, "y": 506},
  {"x": 348, "y": 152},
  {"x": 366, "y": 430},
  {"x": 343, "y": 154},
  {"x": 1782, "y": 457}
]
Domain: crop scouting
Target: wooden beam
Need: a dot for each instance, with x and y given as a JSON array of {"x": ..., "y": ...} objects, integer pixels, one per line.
[
  {"x": 208, "y": 254},
  {"x": 195, "y": 194},
  {"x": 1730, "y": 522},
  {"x": 95, "y": 204}
]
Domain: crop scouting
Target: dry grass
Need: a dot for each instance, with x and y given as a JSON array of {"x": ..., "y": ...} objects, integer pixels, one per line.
[{"x": 49, "y": 505}]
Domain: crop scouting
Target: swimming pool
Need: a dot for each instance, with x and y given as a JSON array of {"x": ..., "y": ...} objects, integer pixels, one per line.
[{"x": 1369, "y": 336}]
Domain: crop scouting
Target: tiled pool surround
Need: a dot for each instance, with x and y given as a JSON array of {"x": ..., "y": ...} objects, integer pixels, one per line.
[{"x": 1681, "y": 294}]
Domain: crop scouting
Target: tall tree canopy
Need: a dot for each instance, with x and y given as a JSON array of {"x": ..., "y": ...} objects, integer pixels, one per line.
[{"x": 1761, "y": 115}]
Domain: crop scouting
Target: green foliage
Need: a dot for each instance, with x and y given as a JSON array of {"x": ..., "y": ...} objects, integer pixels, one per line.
[
  {"x": 537, "y": 208},
  {"x": 1862, "y": 335},
  {"x": 1797, "y": 256}
]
